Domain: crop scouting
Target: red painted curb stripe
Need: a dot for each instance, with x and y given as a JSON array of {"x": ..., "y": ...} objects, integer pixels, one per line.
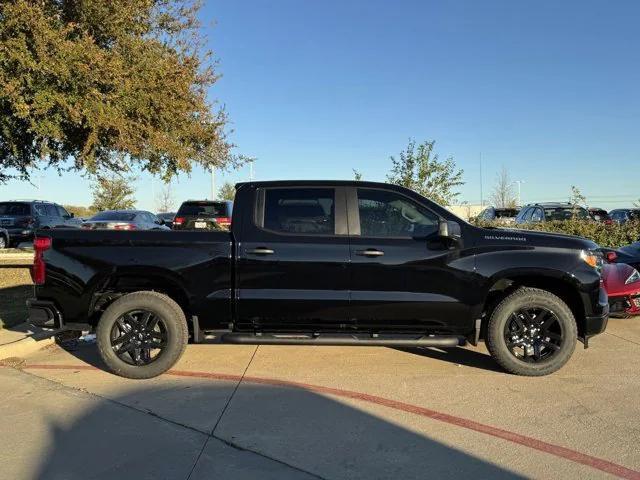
[{"x": 556, "y": 450}]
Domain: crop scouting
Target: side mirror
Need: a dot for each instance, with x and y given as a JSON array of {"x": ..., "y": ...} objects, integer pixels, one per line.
[
  {"x": 449, "y": 229},
  {"x": 72, "y": 215}
]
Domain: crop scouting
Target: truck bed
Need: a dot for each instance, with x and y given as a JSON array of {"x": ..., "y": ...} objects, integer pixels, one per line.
[{"x": 194, "y": 267}]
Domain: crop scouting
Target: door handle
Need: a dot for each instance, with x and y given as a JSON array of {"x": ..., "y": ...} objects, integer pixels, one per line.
[
  {"x": 370, "y": 252},
  {"x": 261, "y": 251}
]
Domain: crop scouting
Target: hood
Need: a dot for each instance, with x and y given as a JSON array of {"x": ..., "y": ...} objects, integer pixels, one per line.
[
  {"x": 614, "y": 276},
  {"x": 523, "y": 238}
]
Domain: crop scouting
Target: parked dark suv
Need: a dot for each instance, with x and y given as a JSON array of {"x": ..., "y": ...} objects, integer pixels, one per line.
[
  {"x": 22, "y": 218},
  {"x": 547, "y": 212},
  {"x": 203, "y": 215}
]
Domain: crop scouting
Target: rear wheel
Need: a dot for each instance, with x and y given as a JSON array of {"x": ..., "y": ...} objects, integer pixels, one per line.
[
  {"x": 531, "y": 332},
  {"x": 142, "y": 335},
  {"x": 3, "y": 242}
]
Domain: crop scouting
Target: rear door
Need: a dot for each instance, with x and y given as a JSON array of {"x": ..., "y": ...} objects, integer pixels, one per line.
[
  {"x": 401, "y": 274},
  {"x": 292, "y": 259}
]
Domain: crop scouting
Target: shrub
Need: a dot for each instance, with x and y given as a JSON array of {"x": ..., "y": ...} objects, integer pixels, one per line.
[{"x": 611, "y": 236}]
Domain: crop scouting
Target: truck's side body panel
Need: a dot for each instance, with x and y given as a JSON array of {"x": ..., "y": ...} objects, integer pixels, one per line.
[{"x": 195, "y": 266}]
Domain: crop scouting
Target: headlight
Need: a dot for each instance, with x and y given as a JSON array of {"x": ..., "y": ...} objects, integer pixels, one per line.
[
  {"x": 634, "y": 277},
  {"x": 592, "y": 258}
]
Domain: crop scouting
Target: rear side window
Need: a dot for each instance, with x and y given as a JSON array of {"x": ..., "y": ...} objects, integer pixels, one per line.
[
  {"x": 203, "y": 209},
  {"x": 14, "y": 209},
  {"x": 391, "y": 215},
  {"x": 309, "y": 211}
]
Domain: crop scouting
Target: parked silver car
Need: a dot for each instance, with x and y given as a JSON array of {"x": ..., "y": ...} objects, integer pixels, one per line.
[{"x": 124, "y": 220}]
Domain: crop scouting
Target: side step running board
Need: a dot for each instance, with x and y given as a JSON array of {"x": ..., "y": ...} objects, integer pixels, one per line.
[{"x": 353, "y": 340}]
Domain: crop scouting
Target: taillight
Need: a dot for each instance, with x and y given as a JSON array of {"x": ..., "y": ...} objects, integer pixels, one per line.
[
  {"x": 178, "y": 220},
  {"x": 124, "y": 226},
  {"x": 223, "y": 220},
  {"x": 38, "y": 271},
  {"x": 611, "y": 257}
]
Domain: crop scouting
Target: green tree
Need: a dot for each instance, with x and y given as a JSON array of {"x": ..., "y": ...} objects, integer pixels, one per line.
[
  {"x": 227, "y": 191},
  {"x": 503, "y": 195},
  {"x": 576, "y": 198},
  {"x": 357, "y": 176},
  {"x": 101, "y": 86},
  {"x": 420, "y": 169},
  {"x": 113, "y": 192}
]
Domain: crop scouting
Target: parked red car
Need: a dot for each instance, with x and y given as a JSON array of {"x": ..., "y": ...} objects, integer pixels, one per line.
[{"x": 622, "y": 283}]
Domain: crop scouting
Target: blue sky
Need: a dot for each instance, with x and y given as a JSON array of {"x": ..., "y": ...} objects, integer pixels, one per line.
[{"x": 313, "y": 89}]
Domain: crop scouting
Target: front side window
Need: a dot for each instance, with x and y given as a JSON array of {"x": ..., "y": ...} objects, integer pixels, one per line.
[
  {"x": 536, "y": 216},
  {"x": 388, "y": 214},
  {"x": 62, "y": 212},
  {"x": 295, "y": 210}
]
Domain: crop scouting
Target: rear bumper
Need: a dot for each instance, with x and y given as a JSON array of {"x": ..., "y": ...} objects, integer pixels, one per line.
[{"x": 44, "y": 314}]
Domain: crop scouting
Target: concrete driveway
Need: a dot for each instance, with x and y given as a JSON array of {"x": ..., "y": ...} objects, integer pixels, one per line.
[{"x": 325, "y": 412}]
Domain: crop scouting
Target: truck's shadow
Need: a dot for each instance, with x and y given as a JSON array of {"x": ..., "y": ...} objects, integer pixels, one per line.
[
  {"x": 158, "y": 428},
  {"x": 457, "y": 356}
]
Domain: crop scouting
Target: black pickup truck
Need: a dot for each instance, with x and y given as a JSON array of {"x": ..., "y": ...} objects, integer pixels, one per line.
[{"x": 323, "y": 263}]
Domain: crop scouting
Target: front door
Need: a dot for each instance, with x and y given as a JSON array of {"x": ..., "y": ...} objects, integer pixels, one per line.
[
  {"x": 292, "y": 260},
  {"x": 403, "y": 276}
]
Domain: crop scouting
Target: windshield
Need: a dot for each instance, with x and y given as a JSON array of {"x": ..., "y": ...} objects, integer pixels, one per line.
[
  {"x": 214, "y": 209},
  {"x": 14, "y": 209},
  {"x": 564, "y": 213},
  {"x": 111, "y": 216}
]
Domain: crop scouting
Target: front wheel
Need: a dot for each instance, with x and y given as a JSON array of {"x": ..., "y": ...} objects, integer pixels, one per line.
[
  {"x": 532, "y": 332},
  {"x": 142, "y": 335}
]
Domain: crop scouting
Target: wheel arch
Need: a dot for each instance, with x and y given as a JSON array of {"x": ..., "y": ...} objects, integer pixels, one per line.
[
  {"x": 557, "y": 282},
  {"x": 134, "y": 279}
]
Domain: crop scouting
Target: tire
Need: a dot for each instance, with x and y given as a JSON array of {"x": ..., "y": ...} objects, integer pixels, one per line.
[
  {"x": 175, "y": 333},
  {"x": 3, "y": 242},
  {"x": 502, "y": 318}
]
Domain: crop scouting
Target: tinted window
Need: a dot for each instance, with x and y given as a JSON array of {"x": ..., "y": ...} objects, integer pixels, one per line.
[
  {"x": 40, "y": 209},
  {"x": 388, "y": 214},
  {"x": 62, "y": 212},
  {"x": 564, "y": 213},
  {"x": 203, "y": 209},
  {"x": 506, "y": 212},
  {"x": 11, "y": 208},
  {"x": 51, "y": 210},
  {"x": 119, "y": 216},
  {"x": 537, "y": 216},
  {"x": 526, "y": 215},
  {"x": 293, "y": 210},
  {"x": 488, "y": 214}
]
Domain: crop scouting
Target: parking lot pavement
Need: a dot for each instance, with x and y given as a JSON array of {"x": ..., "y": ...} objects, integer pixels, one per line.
[{"x": 342, "y": 412}]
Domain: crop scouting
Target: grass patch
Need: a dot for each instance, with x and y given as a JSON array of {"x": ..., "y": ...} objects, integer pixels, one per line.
[{"x": 15, "y": 288}]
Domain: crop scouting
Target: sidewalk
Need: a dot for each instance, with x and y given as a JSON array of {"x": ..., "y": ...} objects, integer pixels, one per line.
[{"x": 53, "y": 431}]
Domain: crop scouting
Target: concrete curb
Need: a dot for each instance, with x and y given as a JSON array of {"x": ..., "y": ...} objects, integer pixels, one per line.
[{"x": 22, "y": 340}]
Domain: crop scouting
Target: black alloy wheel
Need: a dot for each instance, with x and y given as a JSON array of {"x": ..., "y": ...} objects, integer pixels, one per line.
[
  {"x": 139, "y": 337},
  {"x": 533, "y": 334}
]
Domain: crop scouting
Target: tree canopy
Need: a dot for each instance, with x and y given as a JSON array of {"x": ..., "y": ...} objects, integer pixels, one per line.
[
  {"x": 420, "y": 169},
  {"x": 102, "y": 86}
]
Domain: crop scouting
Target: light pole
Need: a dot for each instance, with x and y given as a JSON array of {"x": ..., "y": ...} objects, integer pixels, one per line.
[
  {"x": 519, "y": 182},
  {"x": 250, "y": 170},
  {"x": 213, "y": 183}
]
